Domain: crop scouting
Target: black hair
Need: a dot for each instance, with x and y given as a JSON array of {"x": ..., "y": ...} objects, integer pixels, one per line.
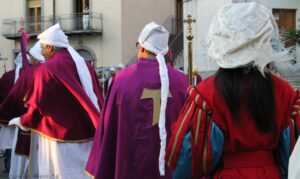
[{"x": 247, "y": 83}]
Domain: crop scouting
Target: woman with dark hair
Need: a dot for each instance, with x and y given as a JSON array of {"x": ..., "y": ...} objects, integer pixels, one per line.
[{"x": 238, "y": 123}]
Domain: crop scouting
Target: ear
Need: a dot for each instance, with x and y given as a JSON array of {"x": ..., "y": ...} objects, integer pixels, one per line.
[{"x": 50, "y": 47}]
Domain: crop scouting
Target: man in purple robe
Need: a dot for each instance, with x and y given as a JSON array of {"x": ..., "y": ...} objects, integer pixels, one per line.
[
  {"x": 143, "y": 102},
  {"x": 64, "y": 103}
]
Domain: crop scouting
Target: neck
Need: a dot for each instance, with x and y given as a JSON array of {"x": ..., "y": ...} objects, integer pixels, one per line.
[{"x": 148, "y": 57}]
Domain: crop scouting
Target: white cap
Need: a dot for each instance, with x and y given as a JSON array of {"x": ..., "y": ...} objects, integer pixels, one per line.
[
  {"x": 19, "y": 65},
  {"x": 56, "y": 37},
  {"x": 121, "y": 65},
  {"x": 36, "y": 52},
  {"x": 154, "y": 38},
  {"x": 112, "y": 69},
  {"x": 241, "y": 34}
]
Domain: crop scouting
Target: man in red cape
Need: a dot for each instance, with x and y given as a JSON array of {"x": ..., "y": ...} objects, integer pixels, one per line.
[{"x": 64, "y": 103}]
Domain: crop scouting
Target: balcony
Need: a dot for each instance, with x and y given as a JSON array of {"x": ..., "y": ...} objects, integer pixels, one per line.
[{"x": 72, "y": 24}]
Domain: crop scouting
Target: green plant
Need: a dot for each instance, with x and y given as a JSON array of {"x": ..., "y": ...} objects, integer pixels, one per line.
[{"x": 291, "y": 36}]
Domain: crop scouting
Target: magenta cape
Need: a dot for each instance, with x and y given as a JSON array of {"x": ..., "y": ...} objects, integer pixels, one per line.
[
  {"x": 127, "y": 144},
  {"x": 6, "y": 83},
  {"x": 13, "y": 106},
  {"x": 58, "y": 106}
]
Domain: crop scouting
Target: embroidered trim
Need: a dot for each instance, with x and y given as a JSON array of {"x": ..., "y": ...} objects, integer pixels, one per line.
[
  {"x": 197, "y": 127},
  {"x": 60, "y": 140},
  {"x": 205, "y": 146},
  {"x": 89, "y": 174},
  {"x": 178, "y": 132}
]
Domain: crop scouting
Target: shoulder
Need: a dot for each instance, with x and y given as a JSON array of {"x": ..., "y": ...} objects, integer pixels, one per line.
[
  {"x": 126, "y": 72},
  {"x": 280, "y": 85},
  {"x": 9, "y": 73},
  {"x": 206, "y": 83}
]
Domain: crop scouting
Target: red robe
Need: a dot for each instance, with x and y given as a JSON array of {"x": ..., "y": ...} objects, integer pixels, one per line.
[
  {"x": 223, "y": 148},
  {"x": 58, "y": 106}
]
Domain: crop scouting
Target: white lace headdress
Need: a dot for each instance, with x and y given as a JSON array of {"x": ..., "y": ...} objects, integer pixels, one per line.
[{"x": 242, "y": 34}]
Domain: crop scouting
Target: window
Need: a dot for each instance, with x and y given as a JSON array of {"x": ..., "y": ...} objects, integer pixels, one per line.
[{"x": 34, "y": 15}]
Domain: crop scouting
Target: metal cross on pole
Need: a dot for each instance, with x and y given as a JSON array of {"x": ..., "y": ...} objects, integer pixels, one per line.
[{"x": 190, "y": 37}]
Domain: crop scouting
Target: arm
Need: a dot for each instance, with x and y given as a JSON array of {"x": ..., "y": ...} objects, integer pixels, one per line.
[
  {"x": 288, "y": 137},
  {"x": 196, "y": 142}
]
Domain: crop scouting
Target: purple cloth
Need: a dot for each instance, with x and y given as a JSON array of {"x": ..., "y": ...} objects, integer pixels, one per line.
[
  {"x": 58, "y": 106},
  {"x": 13, "y": 105},
  {"x": 24, "y": 44},
  {"x": 6, "y": 83},
  {"x": 126, "y": 144}
]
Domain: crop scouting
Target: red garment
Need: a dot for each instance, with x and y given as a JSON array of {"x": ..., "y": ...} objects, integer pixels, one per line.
[
  {"x": 58, "y": 105},
  {"x": 204, "y": 107}
]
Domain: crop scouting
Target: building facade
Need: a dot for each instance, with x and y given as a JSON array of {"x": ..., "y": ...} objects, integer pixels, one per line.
[{"x": 105, "y": 33}]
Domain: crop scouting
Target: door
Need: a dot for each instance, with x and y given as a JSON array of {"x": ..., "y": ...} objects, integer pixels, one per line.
[
  {"x": 34, "y": 16},
  {"x": 285, "y": 18},
  {"x": 79, "y": 7}
]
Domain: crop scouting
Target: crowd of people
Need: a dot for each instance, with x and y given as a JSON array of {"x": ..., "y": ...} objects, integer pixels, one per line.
[{"x": 242, "y": 122}]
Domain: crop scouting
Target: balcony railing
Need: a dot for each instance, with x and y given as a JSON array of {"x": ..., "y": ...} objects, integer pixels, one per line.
[{"x": 71, "y": 24}]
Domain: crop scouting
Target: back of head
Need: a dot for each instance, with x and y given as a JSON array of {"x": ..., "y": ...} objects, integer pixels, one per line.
[
  {"x": 154, "y": 38},
  {"x": 241, "y": 34},
  {"x": 239, "y": 40}
]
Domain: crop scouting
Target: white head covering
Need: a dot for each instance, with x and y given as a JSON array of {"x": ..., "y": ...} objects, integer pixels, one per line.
[
  {"x": 121, "y": 65},
  {"x": 36, "y": 52},
  {"x": 112, "y": 69},
  {"x": 154, "y": 38},
  {"x": 240, "y": 34},
  {"x": 56, "y": 37},
  {"x": 19, "y": 65}
]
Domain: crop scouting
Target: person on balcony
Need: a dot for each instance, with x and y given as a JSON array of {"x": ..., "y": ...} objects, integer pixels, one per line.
[
  {"x": 237, "y": 123},
  {"x": 141, "y": 105},
  {"x": 64, "y": 103},
  {"x": 86, "y": 17}
]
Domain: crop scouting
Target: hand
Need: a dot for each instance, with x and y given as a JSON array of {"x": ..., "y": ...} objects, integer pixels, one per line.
[{"x": 17, "y": 122}]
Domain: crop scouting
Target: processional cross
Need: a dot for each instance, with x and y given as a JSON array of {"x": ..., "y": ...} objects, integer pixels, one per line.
[{"x": 190, "y": 37}]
